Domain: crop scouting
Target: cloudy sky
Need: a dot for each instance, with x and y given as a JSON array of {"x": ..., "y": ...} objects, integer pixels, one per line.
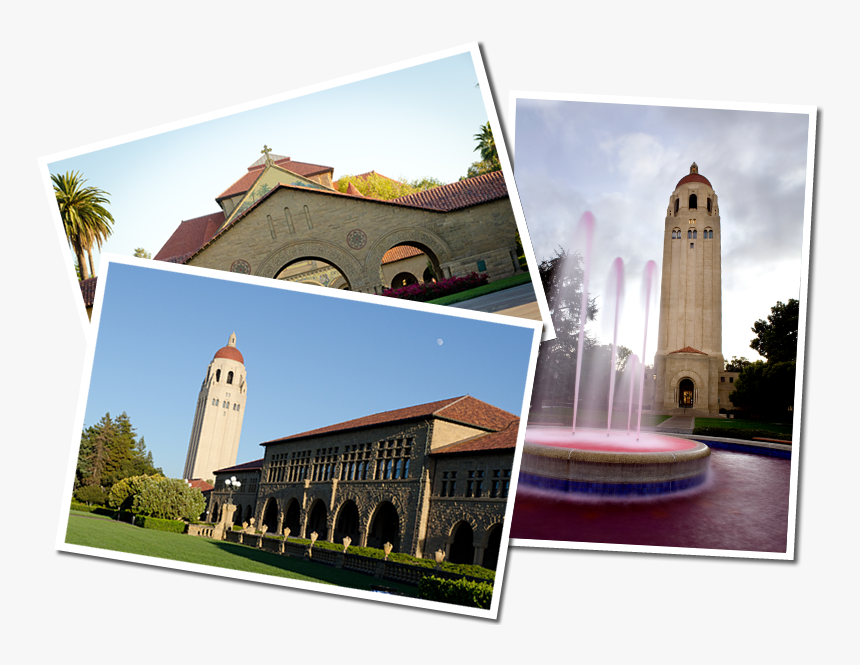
[
  {"x": 622, "y": 163},
  {"x": 415, "y": 122},
  {"x": 159, "y": 329}
]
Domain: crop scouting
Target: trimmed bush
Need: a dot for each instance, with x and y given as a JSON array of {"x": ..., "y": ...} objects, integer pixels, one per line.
[
  {"x": 433, "y": 290},
  {"x": 740, "y": 433},
  {"x": 91, "y": 494},
  {"x": 81, "y": 508},
  {"x": 456, "y": 592},
  {"x": 172, "y": 526}
]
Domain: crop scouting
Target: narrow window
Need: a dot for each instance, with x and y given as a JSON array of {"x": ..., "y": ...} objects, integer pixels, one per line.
[
  {"x": 689, "y": 235},
  {"x": 406, "y": 468},
  {"x": 677, "y": 204},
  {"x": 308, "y": 217},
  {"x": 694, "y": 234},
  {"x": 691, "y": 245},
  {"x": 710, "y": 235},
  {"x": 709, "y": 204},
  {"x": 229, "y": 377},
  {"x": 673, "y": 235},
  {"x": 217, "y": 376},
  {"x": 731, "y": 379},
  {"x": 271, "y": 226},
  {"x": 722, "y": 379},
  {"x": 694, "y": 203},
  {"x": 289, "y": 219}
]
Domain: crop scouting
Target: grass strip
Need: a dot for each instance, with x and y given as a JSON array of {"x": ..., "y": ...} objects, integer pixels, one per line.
[
  {"x": 120, "y": 537},
  {"x": 733, "y": 424},
  {"x": 492, "y": 287}
]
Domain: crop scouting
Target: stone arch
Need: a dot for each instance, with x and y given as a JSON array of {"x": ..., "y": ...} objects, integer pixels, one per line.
[
  {"x": 348, "y": 266},
  {"x": 425, "y": 240},
  {"x": 693, "y": 203},
  {"x": 491, "y": 543},
  {"x": 403, "y": 279},
  {"x": 347, "y": 522},
  {"x": 271, "y": 515},
  {"x": 461, "y": 542},
  {"x": 687, "y": 374},
  {"x": 293, "y": 517},
  {"x": 317, "y": 520},
  {"x": 385, "y": 526}
]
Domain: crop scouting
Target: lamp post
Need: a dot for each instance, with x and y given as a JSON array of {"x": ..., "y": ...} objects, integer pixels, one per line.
[{"x": 232, "y": 485}]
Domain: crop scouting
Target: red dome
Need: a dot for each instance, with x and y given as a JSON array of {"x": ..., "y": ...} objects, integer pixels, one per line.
[
  {"x": 693, "y": 177},
  {"x": 231, "y": 353}
]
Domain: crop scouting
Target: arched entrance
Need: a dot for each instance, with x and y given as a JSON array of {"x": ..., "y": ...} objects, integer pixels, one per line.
[
  {"x": 409, "y": 263},
  {"x": 317, "y": 521},
  {"x": 270, "y": 516},
  {"x": 494, "y": 543},
  {"x": 292, "y": 518},
  {"x": 384, "y": 527},
  {"x": 347, "y": 523},
  {"x": 685, "y": 394},
  {"x": 462, "y": 545},
  {"x": 313, "y": 271},
  {"x": 402, "y": 279},
  {"x": 237, "y": 514}
]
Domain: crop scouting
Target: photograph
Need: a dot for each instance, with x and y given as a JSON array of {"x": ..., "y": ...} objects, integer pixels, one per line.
[
  {"x": 665, "y": 414},
  {"x": 287, "y": 434},
  {"x": 393, "y": 183}
]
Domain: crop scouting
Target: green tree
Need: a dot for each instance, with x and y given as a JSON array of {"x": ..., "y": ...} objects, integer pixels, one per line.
[
  {"x": 141, "y": 253},
  {"x": 168, "y": 498},
  {"x": 776, "y": 338},
  {"x": 111, "y": 451},
  {"x": 375, "y": 186},
  {"x": 486, "y": 144},
  {"x": 422, "y": 184},
  {"x": 737, "y": 364},
  {"x": 123, "y": 492},
  {"x": 766, "y": 388},
  {"x": 90, "y": 494},
  {"x": 86, "y": 219},
  {"x": 561, "y": 277}
]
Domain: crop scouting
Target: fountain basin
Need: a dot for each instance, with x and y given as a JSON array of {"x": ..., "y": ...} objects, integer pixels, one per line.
[{"x": 591, "y": 462}]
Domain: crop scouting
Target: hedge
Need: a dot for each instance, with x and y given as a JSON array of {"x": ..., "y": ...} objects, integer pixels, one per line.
[
  {"x": 398, "y": 557},
  {"x": 456, "y": 592},
  {"x": 433, "y": 290},
  {"x": 741, "y": 433},
  {"x": 158, "y": 524},
  {"x": 83, "y": 508}
]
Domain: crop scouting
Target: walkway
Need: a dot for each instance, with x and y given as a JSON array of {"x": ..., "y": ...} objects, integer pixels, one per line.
[
  {"x": 677, "y": 424},
  {"x": 500, "y": 300}
]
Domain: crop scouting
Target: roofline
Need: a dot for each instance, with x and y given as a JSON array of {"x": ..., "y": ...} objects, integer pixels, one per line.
[{"x": 300, "y": 437}]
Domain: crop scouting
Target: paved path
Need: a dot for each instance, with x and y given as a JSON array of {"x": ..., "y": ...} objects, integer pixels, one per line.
[
  {"x": 681, "y": 424},
  {"x": 501, "y": 300}
]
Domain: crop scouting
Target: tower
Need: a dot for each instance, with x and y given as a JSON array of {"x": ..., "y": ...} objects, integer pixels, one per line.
[
  {"x": 217, "y": 425},
  {"x": 689, "y": 358}
]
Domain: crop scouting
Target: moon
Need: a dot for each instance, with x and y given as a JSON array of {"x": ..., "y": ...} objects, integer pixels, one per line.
[{"x": 439, "y": 342}]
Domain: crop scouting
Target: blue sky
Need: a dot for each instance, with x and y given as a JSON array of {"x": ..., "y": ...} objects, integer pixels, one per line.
[
  {"x": 623, "y": 161},
  {"x": 312, "y": 359},
  {"x": 411, "y": 123}
]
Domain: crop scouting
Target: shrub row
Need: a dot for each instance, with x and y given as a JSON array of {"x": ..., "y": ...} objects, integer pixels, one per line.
[
  {"x": 158, "y": 524},
  {"x": 456, "y": 592},
  {"x": 398, "y": 557},
  {"x": 83, "y": 508},
  {"x": 740, "y": 433},
  {"x": 433, "y": 290}
]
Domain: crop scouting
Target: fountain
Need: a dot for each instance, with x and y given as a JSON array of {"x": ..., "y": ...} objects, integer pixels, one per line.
[{"x": 607, "y": 462}]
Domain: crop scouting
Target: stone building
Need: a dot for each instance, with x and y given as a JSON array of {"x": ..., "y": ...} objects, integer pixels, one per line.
[
  {"x": 424, "y": 478},
  {"x": 689, "y": 364},
  {"x": 218, "y": 418}
]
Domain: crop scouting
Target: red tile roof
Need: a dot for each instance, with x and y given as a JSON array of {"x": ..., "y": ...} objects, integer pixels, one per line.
[
  {"x": 353, "y": 190},
  {"x": 88, "y": 290},
  {"x": 399, "y": 253},
  {"x": 503, "y": 440},
  {"x": 190, "y": 235},
  {"x": 466, "y": 410},
  {"x": 231, "y": 353},
  {"x": 693, "y": 177},
  {"x": 689, "y": 349},
  {"x": 461, "y": 194},
  {"x": 256, "y": 465},
  {"x": 201, "y": 485},
  {"x": 245, "y": 183}
]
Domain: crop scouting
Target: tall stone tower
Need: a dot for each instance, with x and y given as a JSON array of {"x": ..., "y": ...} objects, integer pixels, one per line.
[
  {"x": 218, "y": 420},
  {"x": 689, "y": 358}
]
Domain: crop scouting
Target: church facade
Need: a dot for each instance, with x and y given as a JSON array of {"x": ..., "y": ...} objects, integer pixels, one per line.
[
  {"x": 218, "y": 417},
  {"x": 689, "y": 364},
  {"x": 429, "y": 477}
]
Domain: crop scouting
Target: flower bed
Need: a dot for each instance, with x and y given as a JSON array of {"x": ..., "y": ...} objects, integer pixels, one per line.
[{"x": 433, "y": 290}]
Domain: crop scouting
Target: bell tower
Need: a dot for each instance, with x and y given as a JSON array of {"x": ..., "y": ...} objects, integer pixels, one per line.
[
  {"x": 689, "y": 356},
  {"x": 217, "y": 425}
]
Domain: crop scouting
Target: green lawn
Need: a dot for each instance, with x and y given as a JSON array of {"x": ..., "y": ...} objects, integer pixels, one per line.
[
  {"x": 729, "y": 424},
  {"x": 492, "y": 287},
  {"x": 592, "y": 418},
  {"x": 120, "y": 537}
]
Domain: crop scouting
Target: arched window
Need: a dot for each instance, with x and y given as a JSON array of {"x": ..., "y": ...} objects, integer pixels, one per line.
[
  {"x": 709, "y": 204},
  {"x": 694, "y": 238},
  {"x": 711, "y": 234},
  {"x": 230, "y": 375},
  {"x": 217, "y": 375},
  {"x": 694, "y": 202},
  {"x": 673, "y": 235},
  {"x": 689, "y": 235},
  {"x": 677, "y": 203}
]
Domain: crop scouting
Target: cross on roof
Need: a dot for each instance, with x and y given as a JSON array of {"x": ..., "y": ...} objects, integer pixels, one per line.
[{"x": 265, "y": 151}]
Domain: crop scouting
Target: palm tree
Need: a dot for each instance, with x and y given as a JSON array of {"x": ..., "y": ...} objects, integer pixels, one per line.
[
  {"x": 486, "y": 143},
  {"x": 86, "y": 220}
]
